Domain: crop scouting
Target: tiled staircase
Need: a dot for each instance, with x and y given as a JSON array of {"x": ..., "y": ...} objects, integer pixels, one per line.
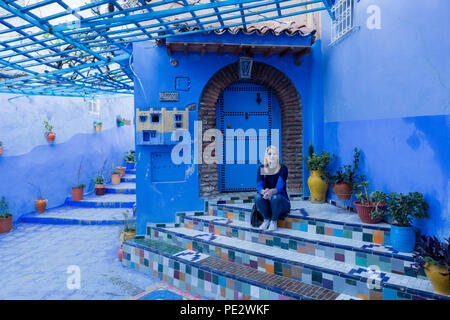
[
  {"x": 318, "y": 252},
  {"x": 108, "y": 209}
]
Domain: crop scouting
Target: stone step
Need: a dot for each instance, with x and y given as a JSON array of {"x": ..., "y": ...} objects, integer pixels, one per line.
[
  {"x": 130, "y": 171},
  {"x": 344, "y": 278},
  {"x": 79, "y": 216},
  {"x": 105, "y": 201},
  {"x": 123, "y": 187},
  {"x": 128, "y": 178},
  {"x": 207, "y": 276},
  {"x": 323, "y": 219},
  {"x": 349, "y": 251}
]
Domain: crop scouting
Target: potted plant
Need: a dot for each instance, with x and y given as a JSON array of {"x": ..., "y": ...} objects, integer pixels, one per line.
[
  {"x": 98, "y": 126},
  {"x": 128, "y": 232},
  {"x": 1, "y": 148},
  {"x": 41, "y": 203},
  {"x": 48, "y": 133},
  {"x": 77, "y": 191},
  {"x": 6, "y": 219},
  {"x": 100, "y": 186},
  {"x": 130, "y": 159},
  {"x": 115, "y": 176},
  {"x": 401, "y": 209},
  {"x": 316, "y": 182},
  {"x": 346, "y": 178},
  {"x": 434, "y": 257},
  {"x": 120, "y": 121},
  {"x": 371, "y": 208}
]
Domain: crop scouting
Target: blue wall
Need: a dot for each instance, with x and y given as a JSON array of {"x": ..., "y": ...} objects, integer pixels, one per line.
[
  {"x": 387, "y": 91},
  {"x": 158, "y": 202},
  {"x": 29, "y": 158}
]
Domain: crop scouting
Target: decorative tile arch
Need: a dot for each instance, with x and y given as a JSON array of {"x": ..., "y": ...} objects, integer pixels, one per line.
[{"x": 291, "y": 121}]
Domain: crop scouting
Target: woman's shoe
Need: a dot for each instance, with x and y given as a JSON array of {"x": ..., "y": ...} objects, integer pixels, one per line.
[
  {"x": 264, "y": 225},
  {"x": 273, "y": 226}
]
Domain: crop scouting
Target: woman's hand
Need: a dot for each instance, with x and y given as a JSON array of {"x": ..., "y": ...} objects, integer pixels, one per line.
[{"x": 269, "y": 193}]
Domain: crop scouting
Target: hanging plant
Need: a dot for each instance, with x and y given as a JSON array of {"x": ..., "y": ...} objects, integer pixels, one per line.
[
  {"x": 49, "y": 134},
  {"x": 98, "y": 126}
]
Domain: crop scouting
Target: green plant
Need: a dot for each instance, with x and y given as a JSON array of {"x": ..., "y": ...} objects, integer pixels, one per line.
[
  {"x": 100, "y": 179},
  {"x": 129, "y": 225},
  {"x": 98, "y": 124},
  {"x": 402, "y": 208},
  {"x": 130, "y": 156},
  {"x": 79, "y": 186},
  {"x": 4, "y": 209},
  {"x": 347, "y": 173},
  {"x": 318, "y": 162},
  {"x": 47, "y": 125},
  {"x": 377, "y": 199},
  {"x": 430, "y": 249}
]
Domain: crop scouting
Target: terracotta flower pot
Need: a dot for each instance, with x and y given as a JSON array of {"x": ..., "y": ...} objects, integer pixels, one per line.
[
  {"x": 120, "y": 253},
  {"x": 98, "y": 128},
  {"x": 115, "y": 178},
  {"x": 1, "y": 151},
  {"x": 343, "y": 190},
  {"x": 100, "y": 189},
  {"x": 50, "y": 137},
  {"x": 441, "y": 283},
  {"x": 122, "y": 170},
  {"x": 40, "y": 205},
  {"x": 77, "y": 194},
  {"x": 364, "y": 211},
  {"x": 6, "y": 224}
]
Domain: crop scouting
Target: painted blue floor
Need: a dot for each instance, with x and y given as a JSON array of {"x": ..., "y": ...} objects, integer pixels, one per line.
[{"x": 35, "y": 258}]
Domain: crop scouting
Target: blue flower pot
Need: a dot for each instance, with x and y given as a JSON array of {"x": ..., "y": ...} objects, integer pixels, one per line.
[
  {"x": 130, "y": 165},
  {"x": 403, "y": 239}
]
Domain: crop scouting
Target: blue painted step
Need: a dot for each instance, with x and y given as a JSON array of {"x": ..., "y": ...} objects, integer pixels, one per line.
[
  {"x": 124, "y": 188},
  {"x": 105, "y": 201}
]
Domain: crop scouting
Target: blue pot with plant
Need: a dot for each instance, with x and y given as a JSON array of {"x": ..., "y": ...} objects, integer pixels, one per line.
[
  {"x": 402, "y": 209},
  {"x": 130, "y": 160}
]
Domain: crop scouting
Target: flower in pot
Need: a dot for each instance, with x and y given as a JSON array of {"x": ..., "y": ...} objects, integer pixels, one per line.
[
  {"x": 317, "y": 164},
  {"x": 434, "y": 257},
  {"x": 98, "y": 126},
  {"x": 346, "y": 178},
  {"x": 1, "y": 148},
  {"x": 371, "y": 208},
  {"x": 115, "y": 176},
  {"x": 100, "y": 186},
  {"x": 48, "y": 133},
  {"x": 130, "y": 159},
  {"x": 401, "y": 209},
  {"x": 6, "y": 219},
  {"x": 120, "y": 121},
  {"x": 77, "y": 191},
  {"x": 41, "y": 203}
]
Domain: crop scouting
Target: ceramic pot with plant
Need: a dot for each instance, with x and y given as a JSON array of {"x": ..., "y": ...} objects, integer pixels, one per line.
[
  {"x": 100, "y": 186},
  {"x": 115, "y": 176},
  {"x": 130, "y": 159},
  {"x": 129, "y": 228},
  {"x": 77, "y": 191},
  {"x": 1, "y": 148},
  {"x": 433, "y": 257},
  {"x": 122, "y": 171},
  {"x": 48, "y": 133},
  {"x": 370, "y": 208},
  {"x": 40, "y": 203},
  {"x": 317, "y": 164},
  {"x": 6, "y": 219},
  {"x": 98, "y": 126},
  {"x": 402, "y": 209},
  {"x": 345, "y": 178}
]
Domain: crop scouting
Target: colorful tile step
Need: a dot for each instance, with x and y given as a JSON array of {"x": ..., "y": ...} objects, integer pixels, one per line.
[
  {"x": 79, "y": 216},
  {"x": 128, "y": 178},
  {"x": 123, "y": 187},
  {"x": 203, "y": 275},
  {"x": 355, "y": 281},
  {"x": 304, "y": 218},
  {"x": 339, "y": 249},
  {"x": 105, "y": 201}
]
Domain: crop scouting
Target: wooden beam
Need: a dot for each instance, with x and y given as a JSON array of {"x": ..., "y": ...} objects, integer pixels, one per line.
[
  {"x": 303, "y": 52},
  {"x": 219, "y": 50},
  {"x": 169, "y": 50},
  {"x": 285, "y": 52},
  {"x": 186, "y": 51},
  {"x": 237, "y": 50},
  {"x": 269, "y": 52}
]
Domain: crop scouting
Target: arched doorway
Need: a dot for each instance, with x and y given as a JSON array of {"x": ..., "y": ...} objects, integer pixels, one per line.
[{"x": 291, "y": 120}]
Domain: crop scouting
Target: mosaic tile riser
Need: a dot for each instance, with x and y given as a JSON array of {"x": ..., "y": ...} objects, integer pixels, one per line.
[
  {"x": 355, "y": 286},
  {"x": 311, "y": 226},
  {"x": 363, "y": 259}
]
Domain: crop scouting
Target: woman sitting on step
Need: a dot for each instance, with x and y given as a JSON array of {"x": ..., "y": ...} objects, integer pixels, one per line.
[{"x": 272, "y": 200}]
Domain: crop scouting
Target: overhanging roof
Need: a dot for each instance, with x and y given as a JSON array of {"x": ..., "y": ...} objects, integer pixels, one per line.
[{"x": 73, "y": 48}]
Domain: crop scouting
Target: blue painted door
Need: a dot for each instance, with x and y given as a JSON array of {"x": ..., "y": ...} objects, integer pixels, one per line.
[{"x": 251, "y": 112}]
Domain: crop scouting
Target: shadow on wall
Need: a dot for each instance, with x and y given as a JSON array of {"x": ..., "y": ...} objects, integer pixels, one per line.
[{"x": 54, "y": 167}]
